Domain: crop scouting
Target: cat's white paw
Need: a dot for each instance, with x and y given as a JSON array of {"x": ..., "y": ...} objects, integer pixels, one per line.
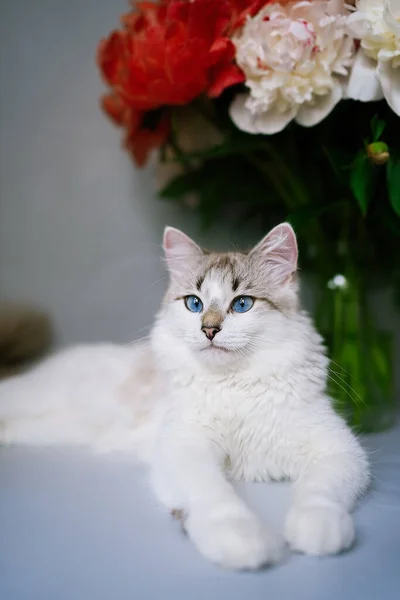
[
  {"x": 234, "y": 541},
  {"x": 319, "y": 530}
]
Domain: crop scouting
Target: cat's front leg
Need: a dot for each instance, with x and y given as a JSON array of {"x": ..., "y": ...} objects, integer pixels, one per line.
[
  {"x": 187, "y": 475},
  {"x": 331, "y": 471}
]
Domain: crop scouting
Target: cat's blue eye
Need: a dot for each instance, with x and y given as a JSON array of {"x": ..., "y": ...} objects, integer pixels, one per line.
[
  {"x": 242, "y": 304},
  {"x": 193, "y": 303}
]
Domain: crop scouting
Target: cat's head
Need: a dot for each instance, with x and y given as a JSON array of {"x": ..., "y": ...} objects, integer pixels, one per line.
[{"x": 224, "y": 308}]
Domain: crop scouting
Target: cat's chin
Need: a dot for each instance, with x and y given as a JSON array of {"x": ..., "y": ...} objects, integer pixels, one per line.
[
  {"x": 217, "y": 355},
  {"x": 213, "y": 348}
]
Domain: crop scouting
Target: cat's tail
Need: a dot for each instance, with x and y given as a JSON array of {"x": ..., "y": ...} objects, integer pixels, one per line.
[
  {"x": 33, "y": 412},
  {"x": 16, "y": 404},
  {"x": 77, "y": 397}
]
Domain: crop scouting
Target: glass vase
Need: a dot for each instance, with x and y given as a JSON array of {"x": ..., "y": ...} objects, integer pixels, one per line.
[{"x": 361, "y": 380}]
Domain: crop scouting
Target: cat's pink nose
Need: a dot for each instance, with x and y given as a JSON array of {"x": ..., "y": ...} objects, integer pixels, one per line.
[{"x": 210, "y": 332}]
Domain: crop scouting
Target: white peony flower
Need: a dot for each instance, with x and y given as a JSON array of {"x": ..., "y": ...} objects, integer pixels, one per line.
[
  {"x": 376, "y": 70},
  {"x": 295, "y": 58}
]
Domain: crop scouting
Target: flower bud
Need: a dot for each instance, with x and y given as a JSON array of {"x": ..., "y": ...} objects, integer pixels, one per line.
[{"x": 378, "y": 153}]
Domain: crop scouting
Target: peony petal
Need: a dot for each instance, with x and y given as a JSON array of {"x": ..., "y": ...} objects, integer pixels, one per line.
[
  {"x": 364, "y": 82},
  {"x": 357, "y": 24},
  {"x": 115, "y": 108},
  {"x": 141, "y": 141},
  {"x": 312, "y": 114},
  {"x": 335, "y": 7},
  {"x": 222, "y": 78},
  {"x": 240, "y": 115},
  {"x": 110, "y": 56},
  {"x": 391, "y": 14},
  {"x": 274, "y": 120},
  {"x": 267, "y": 123},
  {"x": 242, "y": 9},
  {"x": 390, "y": 81}
]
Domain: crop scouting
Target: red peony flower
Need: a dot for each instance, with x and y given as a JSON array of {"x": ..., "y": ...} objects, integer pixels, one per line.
[
  {"x": 169, "y": 53},
  {"x": 144, "y": 131},
  {"x": 166, "y": 54}
]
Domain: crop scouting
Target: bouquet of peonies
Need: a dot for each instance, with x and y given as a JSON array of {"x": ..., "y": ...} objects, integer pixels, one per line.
[
  {"x": 278, "y": 110},
  {"x": 219, "y": 86}
]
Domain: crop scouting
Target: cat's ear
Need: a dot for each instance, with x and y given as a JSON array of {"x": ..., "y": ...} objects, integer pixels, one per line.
[
  {"x": 181, "y": 253},
  {"x": 278, "y": 251}
]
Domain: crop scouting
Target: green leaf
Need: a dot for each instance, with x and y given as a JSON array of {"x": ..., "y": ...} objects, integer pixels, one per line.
[
  {"x": 393, "y": 182},
  {"x": 362, "y": 180},
  {"x": 377, "y": 128}
]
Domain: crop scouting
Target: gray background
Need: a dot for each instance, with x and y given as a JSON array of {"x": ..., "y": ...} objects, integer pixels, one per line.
[{"x": 80, "y": 228}]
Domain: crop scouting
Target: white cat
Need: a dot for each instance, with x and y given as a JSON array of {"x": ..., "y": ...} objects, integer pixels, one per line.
[{"x": 230, "y": 386}]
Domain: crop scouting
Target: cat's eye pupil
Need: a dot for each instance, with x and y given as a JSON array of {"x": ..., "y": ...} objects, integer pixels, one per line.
[
  {"x": 242, "y": 304},
  {"x": 193, "y": 303}
]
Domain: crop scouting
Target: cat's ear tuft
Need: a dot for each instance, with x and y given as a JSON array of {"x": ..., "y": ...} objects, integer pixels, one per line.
[
  {"x": 180, "y": 251},
  {"x": 278, "y": 250}
]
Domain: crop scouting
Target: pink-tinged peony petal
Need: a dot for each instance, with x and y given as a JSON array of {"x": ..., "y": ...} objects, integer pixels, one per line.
[
  {"x": 312, "y": 114},
  {"x": 390, "y": 81},
  {"x": 364, "y": 82},
  {"x": 335, "y": 7},
  {"x": 267, "y": 123}
]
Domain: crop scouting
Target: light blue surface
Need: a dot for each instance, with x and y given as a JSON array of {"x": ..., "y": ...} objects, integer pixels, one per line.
[{"x": 78, "y": 527}]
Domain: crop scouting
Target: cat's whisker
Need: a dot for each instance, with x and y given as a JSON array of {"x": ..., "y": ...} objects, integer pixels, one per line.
[
  {"x": 335, "y": 377},
  {"x": 330, "y": 370},
  {"x": 151, "y": 286},
  {"x": 346, "y": 391},
  {"x": 340, "y": 367},
  {"x": 136, "y": 340}
]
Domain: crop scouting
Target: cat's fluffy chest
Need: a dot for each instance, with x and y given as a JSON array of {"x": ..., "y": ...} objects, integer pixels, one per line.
[{"x": 247, "y": 413}]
